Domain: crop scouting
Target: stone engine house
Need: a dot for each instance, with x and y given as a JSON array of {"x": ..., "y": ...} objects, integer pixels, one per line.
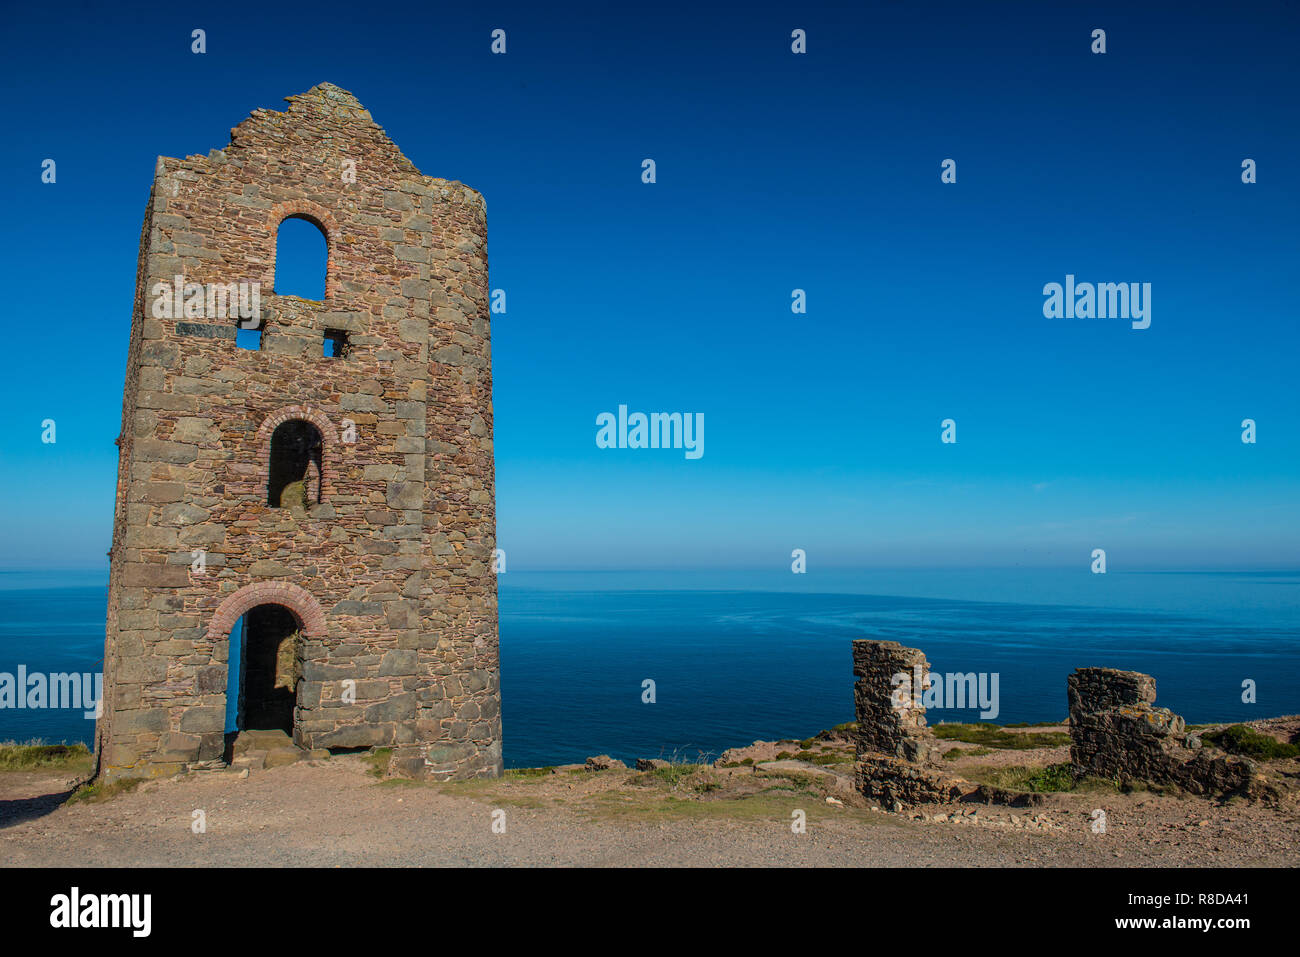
[{"x": 316, "y": 478}]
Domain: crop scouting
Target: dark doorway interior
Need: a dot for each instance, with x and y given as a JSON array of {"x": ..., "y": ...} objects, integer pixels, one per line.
[
  {"x": 272, "y": 668},
  {"x": 295, "y": 465}
]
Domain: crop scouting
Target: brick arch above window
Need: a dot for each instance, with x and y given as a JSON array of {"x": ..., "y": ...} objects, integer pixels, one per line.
[
  {"x": 311, "y": 617},
  {"x": 324, "y": 220},
  {"x": 329, "y": 439}
]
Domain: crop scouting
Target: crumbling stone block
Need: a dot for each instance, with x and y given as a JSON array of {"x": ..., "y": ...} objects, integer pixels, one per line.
[
  {"x": 889, "y": 723},
  {"x": 894, "y": 763},
  {"x": 1117, "y": 732}
]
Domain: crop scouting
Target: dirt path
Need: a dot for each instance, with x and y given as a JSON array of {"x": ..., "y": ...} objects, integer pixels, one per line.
[{"x": 334, "y": 813}]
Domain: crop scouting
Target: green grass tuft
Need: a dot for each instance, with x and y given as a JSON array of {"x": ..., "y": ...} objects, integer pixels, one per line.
[
  {"x": 530, "y": 772},
  {"x": 1240, "y": 739},
  {"x": 34, "y": 755},
  {"x": 993, "y": 736},
  {"x": 674, "y": 774},
  {"x": 378, "y": 761},
  {"x": 98, "y": 791},
  {"x": 1053, "y": 779},
  {"x": 822, "y": 758}
]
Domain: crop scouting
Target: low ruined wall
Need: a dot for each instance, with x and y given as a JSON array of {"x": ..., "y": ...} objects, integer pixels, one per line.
[{"x": 1117, "y": 732}]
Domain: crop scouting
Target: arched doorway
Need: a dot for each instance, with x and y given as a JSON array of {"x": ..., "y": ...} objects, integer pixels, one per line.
[
  {"x": 265, "y": 628},
  {"x": 265, "y": 670}
]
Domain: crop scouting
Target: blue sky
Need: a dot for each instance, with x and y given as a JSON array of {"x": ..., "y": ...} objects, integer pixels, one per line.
[{"x": 775, "y": 172}]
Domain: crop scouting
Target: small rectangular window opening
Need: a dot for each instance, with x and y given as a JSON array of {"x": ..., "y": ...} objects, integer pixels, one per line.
[
  {"x": 336, "y": 344},
  {"x": 250, "y": 339}
]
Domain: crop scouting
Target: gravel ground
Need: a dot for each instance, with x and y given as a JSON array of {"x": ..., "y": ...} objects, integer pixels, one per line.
[{"x": 334, "y": 814}]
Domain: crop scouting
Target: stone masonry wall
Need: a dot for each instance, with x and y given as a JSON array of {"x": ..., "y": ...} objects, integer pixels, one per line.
[
  {"x": 884, "y": 726},
  {"x": 390, "y": 574},
  {"x": 894, "y": 746},
  {"x": 1117, "y": 732}
]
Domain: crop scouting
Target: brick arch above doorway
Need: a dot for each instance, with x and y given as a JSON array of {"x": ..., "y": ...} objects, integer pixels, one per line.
[{"x": 295, "y": 598}]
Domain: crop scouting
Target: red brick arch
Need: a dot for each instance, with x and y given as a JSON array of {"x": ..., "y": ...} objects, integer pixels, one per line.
[
  {"x": 311, "y": 617},
  {"x": 324, "y": 220},
  {"x": 329, "y": 459}
]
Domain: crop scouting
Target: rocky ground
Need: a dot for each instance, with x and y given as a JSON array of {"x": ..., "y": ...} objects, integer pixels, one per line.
[{"x": 738, "y": 812}]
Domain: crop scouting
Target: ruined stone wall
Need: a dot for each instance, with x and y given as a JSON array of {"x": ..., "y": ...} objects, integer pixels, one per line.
[
  {"x": 894, "y": 746},
  {"x": 390, "y": 574},
  {"x": 1117, "y": 732},
  {"x": 890, "y": 719}
]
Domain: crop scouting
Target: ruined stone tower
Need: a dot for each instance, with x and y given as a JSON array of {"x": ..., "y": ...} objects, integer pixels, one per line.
[{"x": 366, "y": 604}]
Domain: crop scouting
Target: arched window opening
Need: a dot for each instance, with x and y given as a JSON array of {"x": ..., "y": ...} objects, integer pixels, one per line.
[
  {"x": 294, "y": 473},
  {"x": 301, "y": 258},
  {"x": 265, "y": 670}
]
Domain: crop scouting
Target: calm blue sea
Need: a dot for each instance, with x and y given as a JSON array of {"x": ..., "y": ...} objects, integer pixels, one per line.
[{"x": 737, "y": 656}]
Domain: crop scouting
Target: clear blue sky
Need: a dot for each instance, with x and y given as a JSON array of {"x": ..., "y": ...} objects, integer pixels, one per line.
[{"x": 775, "y": 172}]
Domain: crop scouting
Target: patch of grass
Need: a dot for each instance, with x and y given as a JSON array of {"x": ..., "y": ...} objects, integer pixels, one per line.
[
  {"x": 1015, "y": 778},
  {"x": 674, "y": 774},
  {"x": 784, "y": 756},
  {"x": 34, "y": 755},
  {"x": 993, "y": 736},
  {"x": 97, "y": 792},
  {"x": 807, "y": 743},
  {"x": 1052, "y": 779},
  {"x": 954, "y": 753},
  {"x": 530, "y": 772},
  {"x": 823, "y": 757},
  {"x": 1240, "y": 739},
  {"x": 378, "y": 761},
  {"x": 804, "y": 780},
  {"x": 746, "y": 762}
]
